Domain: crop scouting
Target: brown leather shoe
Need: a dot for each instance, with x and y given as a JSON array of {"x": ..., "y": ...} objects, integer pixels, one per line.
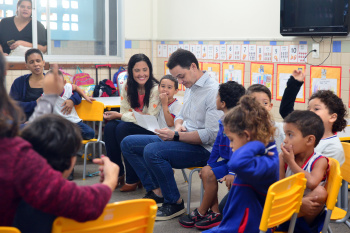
[
  {"x": 121, "y": 180},
  {"x": 130, "y": 187}
]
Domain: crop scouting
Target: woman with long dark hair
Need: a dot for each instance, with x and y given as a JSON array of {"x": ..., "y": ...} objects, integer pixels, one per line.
[{"x": 139, "y": 93}]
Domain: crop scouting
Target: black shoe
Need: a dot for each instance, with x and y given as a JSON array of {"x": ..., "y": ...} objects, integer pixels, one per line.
[
  {"x": 169, "y": 211},
  {"x": 210, "y": 220},
  {"x": 157, "y": 199},
  {"x": 189, "y": 220},
  {"x": 71, "y": 176}
]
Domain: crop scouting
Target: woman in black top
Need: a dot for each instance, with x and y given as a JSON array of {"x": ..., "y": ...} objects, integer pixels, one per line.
[{"x": 17, "y": 30}]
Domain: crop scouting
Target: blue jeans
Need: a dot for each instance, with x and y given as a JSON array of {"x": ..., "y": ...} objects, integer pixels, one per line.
[
  {"x": 114, "y": 132},
  {"x": 86, "y": 131},
  {"x": 153, "y": 160}
]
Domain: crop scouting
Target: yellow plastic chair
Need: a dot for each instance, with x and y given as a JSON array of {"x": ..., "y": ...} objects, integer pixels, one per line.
[
  {"x": 334, "y": 182},
  {"x": 341, "y": 214},
  {"x": 9, "y": 230},
  {"x": 91, "y": 112},
  {"x": 189, "y": 180},
  {"x": 133, "y": 216},
  {"x": 283, "y": 202}
]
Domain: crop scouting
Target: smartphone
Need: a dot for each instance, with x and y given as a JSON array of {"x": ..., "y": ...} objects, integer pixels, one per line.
[{"x": 10, "y": 42}]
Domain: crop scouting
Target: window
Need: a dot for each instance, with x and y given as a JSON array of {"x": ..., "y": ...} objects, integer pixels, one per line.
[{"x": 92, "y": 28}]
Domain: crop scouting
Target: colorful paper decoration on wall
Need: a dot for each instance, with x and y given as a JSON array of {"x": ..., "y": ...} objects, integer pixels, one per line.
[
  {"x": 262, "y": 73},
  {"x": 233, "y": 71},
  {"x": 325, "y": 78}
]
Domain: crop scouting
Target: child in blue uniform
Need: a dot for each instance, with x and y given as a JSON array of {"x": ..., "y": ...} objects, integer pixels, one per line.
[
  {"x": 255, "y": 163},
  {"x": 228, "y": 96}
]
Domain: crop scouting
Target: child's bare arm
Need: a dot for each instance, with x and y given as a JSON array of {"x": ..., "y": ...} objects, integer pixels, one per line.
[
  {"x": 318, "y": 172},
  {"x": 81, "y": 92}
]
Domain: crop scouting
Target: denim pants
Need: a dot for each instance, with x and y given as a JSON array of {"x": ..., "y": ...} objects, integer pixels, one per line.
[
  {"x": 153, "y": 160},
  {"x": 86, "y": 131},
  {"x": 114, "y": 132}
]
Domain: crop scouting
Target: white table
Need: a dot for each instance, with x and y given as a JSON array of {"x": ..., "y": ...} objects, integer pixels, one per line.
[{"x": 109, "y": 102}]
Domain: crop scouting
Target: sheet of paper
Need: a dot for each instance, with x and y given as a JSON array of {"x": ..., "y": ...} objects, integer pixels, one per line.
[
  {"x": 181, "y": 46},
  {"x": 252, "y": 52},
  {"x": 276, "y": 53},
  {"x": 210, "y": 52},
  {"x": 198, "y": 51},
  {"x": 204, "y": 51},
  {"x": 216, "y": 52},
  {"x": 267, "y": 53},
  {"x": 283, "y": 84},
  {"x": 293, "y": 53},
  {"x": 284, "y": 53},
  {"x": 302, "y": 53},
  {"x": 229, "y": 52},
  {"x": 148, "y": 122},
  {"x": 193, "y": 49},
  {"x": 159, "y": 53},
  {"x": 170, "y": 50},
  {"x": 223, "y": 52},
  {"x": 236, "y": 52},
  {"x": 187, "y": 47},
  {"x": 165, "y": 50},
  {"x": 260, "y": 53},
  {"x": 245, "y": 52}
]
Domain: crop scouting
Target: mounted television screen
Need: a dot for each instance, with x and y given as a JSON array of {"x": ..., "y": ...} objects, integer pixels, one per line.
[{"x": 314, "y": 17}]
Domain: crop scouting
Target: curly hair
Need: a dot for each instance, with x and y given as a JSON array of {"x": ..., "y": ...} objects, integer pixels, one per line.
[
  {"x": 251, "y": 116},
  {"x": 54, "y": 138},
  {"x": 309, "y": 123},
  {"x": 230, "y": 92},
  {"x": 334, "y": 104},
  {"x": 132, "y": 93}
]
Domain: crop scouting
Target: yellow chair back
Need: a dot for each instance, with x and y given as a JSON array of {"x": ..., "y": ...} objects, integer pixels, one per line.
[
  {"x": 90, "y": 111},
  {"x": 282, "y": 201},
  {"x": 345, "y": 167},
  {"x": 133, "y": 216},
  {"x": 333, "y": 184},
  {"x": 9, "y": 230}
]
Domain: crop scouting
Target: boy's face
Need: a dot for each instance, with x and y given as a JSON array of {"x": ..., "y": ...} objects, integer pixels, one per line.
[
  {"x": 316, "y": 106},
  {"x": 219, "y": 104},
  {"x": 236, "y": 141},
  {"x": 263, "y": 99},
  {"x": 294, "y": 138},
  {"x": 167, "y": 86}
]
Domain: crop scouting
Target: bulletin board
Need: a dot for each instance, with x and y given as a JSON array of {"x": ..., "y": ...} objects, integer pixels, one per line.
[
  {"x": 213, "y": 69},
  {"x": 283, "y": 74},
  {"x": 262, "y": 73},
  {"x": 233, "y": 71},
  {"x": 325, "y": 78}
]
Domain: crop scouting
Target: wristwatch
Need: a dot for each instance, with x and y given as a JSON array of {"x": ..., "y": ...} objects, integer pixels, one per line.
[{"x": 176, "y": 136}]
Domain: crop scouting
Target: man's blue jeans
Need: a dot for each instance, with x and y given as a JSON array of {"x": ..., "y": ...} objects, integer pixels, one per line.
[{"x": 153, "y": 160}]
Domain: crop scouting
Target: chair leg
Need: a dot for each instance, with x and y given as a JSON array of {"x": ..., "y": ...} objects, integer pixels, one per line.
[
  {"x": 326, "y": 221},
  {"x": 189, "y": 192},
  {"x": 184, "y": 174},
  {"x": 202, "y": 192},
  {"x": 85, "y": 158}
]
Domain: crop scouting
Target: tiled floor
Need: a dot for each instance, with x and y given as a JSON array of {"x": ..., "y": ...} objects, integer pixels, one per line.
[{"x": 171, "y": 225}]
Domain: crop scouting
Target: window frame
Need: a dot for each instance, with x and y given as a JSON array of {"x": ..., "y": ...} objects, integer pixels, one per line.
[{"x": 119, "y": 58}]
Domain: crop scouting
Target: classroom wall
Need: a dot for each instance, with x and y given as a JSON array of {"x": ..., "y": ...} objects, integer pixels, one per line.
[{"x": 151, "y": 22}]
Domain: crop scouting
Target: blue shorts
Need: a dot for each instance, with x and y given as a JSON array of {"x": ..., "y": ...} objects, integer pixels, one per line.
[{"x": 220, "y": 168}]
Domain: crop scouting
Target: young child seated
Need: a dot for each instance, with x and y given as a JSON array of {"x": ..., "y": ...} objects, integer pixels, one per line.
[
  {"x": 255, "y": 163},
  {"x": 168, "y": 87},
  {"x": 57, "y": 140},
  {"x": 228, "y": 96},
  {"x": 86, "y": 131},
  {"x": 263, "y": 95},
  {"x": 304, "y": 130},
  {"x": 328, "y": 106}
]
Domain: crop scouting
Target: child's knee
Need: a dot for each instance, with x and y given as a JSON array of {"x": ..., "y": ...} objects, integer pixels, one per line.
[{"x": 321, "y": 192}]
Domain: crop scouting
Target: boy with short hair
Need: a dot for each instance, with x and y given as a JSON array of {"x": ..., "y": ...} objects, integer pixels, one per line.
[
  {"x": 168, "y": 87},
  {"x": 263, "y": 95},
  {"x": 304, "y": 130},
  {"x": 228, "y": 96},
  {"x": 57, "y": 140}
]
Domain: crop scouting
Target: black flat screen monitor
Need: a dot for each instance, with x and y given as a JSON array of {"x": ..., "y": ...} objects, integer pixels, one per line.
[{"x": 314, "y": 17}]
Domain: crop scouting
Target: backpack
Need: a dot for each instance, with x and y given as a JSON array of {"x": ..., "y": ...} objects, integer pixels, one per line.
[
  {"x": 82, "y": 79},
  {"x": 104, "y": 89},
  {"x": 119, "y": 78}
]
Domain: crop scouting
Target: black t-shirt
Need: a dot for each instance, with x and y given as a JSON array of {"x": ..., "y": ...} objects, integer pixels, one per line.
[
  {"x": 32, "y": 94},
  {"x": 9, "y": 31}
]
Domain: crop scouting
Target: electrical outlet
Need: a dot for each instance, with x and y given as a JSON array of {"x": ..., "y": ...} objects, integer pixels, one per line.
[{"x": 316, "y": 46}]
